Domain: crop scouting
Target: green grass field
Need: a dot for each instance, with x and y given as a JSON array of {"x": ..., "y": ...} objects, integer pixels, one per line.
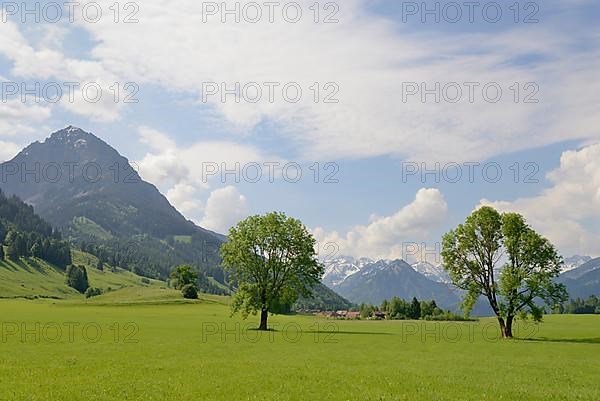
[{"x": 147, "y": 344}]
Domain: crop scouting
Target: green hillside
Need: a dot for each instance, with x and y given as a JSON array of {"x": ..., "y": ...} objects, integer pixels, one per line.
[{"x": 32, "y": 277}]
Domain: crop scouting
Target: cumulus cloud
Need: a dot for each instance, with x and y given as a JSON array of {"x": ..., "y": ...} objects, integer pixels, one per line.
[
  {"x": 224, "y": 208},
  {"x": 185, "y": 198},
  {"x": 390, "y": 236},
  {"x": 568, "y": 212},
  {"x": 204, "y": 162},
  {"x": 188, "y": 174}
]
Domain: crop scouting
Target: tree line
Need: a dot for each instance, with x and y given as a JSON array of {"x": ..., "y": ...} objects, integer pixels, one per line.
[
  {"x": 25, "y": 234},
  {"x": 580, "y": 306},
  {"x": 400, "y": 309}
]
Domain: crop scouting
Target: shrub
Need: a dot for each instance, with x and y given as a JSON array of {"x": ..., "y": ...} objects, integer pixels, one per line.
[
  {"x": 145, "y": 280},
  {"x": 189, "y": 291},
  {"x": 93, "y": 292}
]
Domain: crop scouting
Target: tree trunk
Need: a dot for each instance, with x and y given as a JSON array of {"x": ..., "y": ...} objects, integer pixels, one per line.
[
  {"x": 507, "y": 333},
  {"x": 264, "y": 314},
  {"x": 502, "y": 326}
]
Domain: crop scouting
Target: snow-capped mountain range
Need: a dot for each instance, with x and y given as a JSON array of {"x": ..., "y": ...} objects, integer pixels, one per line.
[
  {"x": 337, "y": 270},
  {"x": 574, "y": 262},
  {"x": 432, "y": 272},
  {"x": 366, "y": 280}
]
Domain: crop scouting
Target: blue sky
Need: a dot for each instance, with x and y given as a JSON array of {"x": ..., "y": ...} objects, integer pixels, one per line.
[{"x": 376, "y": 49}]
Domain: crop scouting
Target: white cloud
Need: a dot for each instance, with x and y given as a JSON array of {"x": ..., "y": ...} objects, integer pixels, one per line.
[
  {"x": 224, "y": 208},
  {"x": 369, "y": 57},
  {"x": 183, "y": 173},
  {"x": 155, "y": 139},
  {"x": 19, "y": 118},
  {"x": 45, "y": 64},
  {"x": 184, "y": 198},
  {"x": 568, "y": 212},
  {"x": 8, "y": 150},
  {"x": 390, "y": 236}
]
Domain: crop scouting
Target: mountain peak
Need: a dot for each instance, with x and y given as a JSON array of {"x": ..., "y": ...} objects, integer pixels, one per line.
[
  {"x": 83, "y": 186},
  {"x": 69, "y": 134}
]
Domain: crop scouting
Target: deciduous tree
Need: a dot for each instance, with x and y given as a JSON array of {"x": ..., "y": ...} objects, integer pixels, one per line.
[
  {"x": 272, "y": 261},
  {"x": 504, "y": 260}
]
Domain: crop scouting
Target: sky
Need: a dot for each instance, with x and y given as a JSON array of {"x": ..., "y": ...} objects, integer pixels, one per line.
[{"x": 380, "y": 124}]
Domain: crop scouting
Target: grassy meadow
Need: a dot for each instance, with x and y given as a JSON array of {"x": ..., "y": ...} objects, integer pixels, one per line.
[
  {"x": 30, "y": 277},
  {"x": 146, "y": 343}
]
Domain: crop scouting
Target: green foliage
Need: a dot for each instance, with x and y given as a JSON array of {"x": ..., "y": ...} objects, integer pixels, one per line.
[
  {"x": 92, "y": 292},
  {"x": 581, "y": 306},
  {"x": 366, "y": 310},
  {"x": 182, "y": 276},
  {"x": 415, "y": 309},
  {"x": 77, "y": 278},
  {"x": 472, "y": 254},
  {"x": 12, "y": 251},
  {"x": 272, "y": 261},
  {"x": 189, "y": 291},
  {"x": 400, "y": 309},
  {"x": 26, "y": 234},
  {"x": 448, "y": 316}
]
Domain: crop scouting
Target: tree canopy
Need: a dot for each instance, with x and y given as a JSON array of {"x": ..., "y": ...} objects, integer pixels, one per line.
[
  {"x": 272, "y": 260},
  {"x": 182, "y": 276},
  {"x": 498, "y": 256}
]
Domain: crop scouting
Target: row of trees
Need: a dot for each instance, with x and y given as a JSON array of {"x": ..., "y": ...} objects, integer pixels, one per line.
[
  {"x": 400, "y": 309},
  {"x": 33, "y": 245},
  {"x": 581, "y": 306},
  {"x": 17, "y": 214}
]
